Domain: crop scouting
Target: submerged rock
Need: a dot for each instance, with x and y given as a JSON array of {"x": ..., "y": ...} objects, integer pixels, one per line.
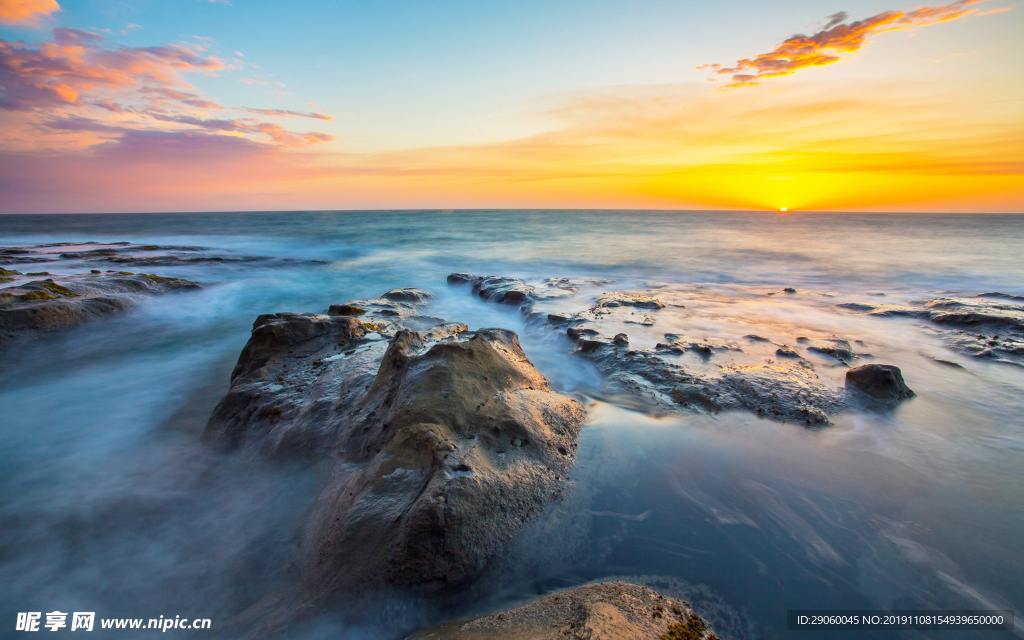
[
  {"x": 442, "y": 444},
  {"x": 66, "y": 301},
  {"x": 601, "y": 611},
  {"x": 977, "y": 326},
  {"x": 658, "y": 379},
  {"x": 882, "y": 382}
]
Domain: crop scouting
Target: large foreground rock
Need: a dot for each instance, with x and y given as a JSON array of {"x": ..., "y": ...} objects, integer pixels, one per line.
[
  {"x": 441, "y": 443},
  {"x": 60, "y": 302},
  {"x": 602, "y": 611},
  {"x": 455, "y": 446}
]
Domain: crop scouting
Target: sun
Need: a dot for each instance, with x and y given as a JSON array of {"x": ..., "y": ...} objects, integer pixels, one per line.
[{"x": 783, "y": 209}]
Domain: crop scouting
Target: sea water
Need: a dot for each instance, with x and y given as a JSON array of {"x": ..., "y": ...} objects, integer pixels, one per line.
[{"x": 109, "y": 502}]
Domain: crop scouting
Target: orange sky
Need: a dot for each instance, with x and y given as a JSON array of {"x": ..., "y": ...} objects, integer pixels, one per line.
[{"x": 94, "y": 126}]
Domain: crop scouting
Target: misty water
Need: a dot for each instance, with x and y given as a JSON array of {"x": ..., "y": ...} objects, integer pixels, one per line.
[{"x": 110, "y": 503}]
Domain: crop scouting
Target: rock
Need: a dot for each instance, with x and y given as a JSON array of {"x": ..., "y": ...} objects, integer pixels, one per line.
[
  {"x": 441, "y": 445},
  {"x": 756, "y": 338},
  {"x": 497, "y": 288},
  {"x": 838, "y": 349},
  {"x": 345, "y": 310},
  {"x": 974, "y": 326},
  {"x": 298, "y": 371},
  {"x": 657, "y": 381},
  {"x": 789, "y": 290},
  {"x": 501, "y": 289},
  {"x": 620, "y": 299},
  {"x": 430, "y": 483},
  {"x": 126, "y": 253},
  {"x": 786, "y": 352},
  {"x": 601, "y": 611},
  {"x": 67, "y": 301},
  {"x": 408, "y": 294},
  {"x": 882, "y": 382},
  {"x": 461, "y": 278}
]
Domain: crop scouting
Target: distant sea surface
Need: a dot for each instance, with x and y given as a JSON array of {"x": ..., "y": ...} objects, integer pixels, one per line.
[{"x": 109, "y": 502}]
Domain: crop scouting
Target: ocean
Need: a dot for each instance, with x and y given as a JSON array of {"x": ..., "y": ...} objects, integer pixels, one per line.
[{"x": 110, "y": 503}]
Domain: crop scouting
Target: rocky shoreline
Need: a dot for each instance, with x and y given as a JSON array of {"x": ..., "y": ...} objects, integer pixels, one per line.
[
  {"x": 59, "y": 302},
  {"x": 440, "y": 444},
  {"x": 785, "y": 387}
]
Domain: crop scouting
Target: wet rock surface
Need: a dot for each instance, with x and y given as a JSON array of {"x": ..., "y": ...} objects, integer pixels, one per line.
[
  {"x": 59, "y": 302},
  {"x": 441, "y": 443},
  {"x": 880, "y": 382},
  {"x": 989, "y": 325},
  {"x": 601, "y": 611},
  {"x": 126, "y": 254},
  {"x": 659, "y": 379}
]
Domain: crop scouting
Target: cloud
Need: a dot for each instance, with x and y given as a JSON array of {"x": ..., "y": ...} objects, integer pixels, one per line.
[
  {"x": 261, "y": 81},
  {"x": 286, "y": 113},
  {"x": 62, "y": 84},
  {"x": 835, "y": 40},
  {"x": 23, "y": 12},
  {"x": 276, "y": 132},
  {"x": 79, "y": 64}
]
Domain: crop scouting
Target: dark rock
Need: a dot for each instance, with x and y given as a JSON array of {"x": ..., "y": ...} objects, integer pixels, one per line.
[
  {"x": 408, "y": 294},
  {"x": 881, "y": 382},
  {"x": 345, "y": 310},
  {"x": 838, "y": 353},
  {"x": 789, "y": 290},
  {"x": 756, "y": 338},
  {"x": 503, "y": 290},
  {"x": 461, "y": 278},
  {"x": 786, "y": 352}
]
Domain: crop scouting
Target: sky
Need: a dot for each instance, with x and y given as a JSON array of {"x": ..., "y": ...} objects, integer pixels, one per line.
[{"x": 217, "y": 105}]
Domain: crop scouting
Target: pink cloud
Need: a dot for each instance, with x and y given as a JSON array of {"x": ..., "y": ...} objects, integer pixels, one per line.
[
  {"x": 26, "y": 11},
  {"x": 835, "y": 40},
  {"x": 59, "y": 85}
]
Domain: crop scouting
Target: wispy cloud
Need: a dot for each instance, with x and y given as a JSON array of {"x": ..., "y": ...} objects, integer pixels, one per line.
[
  {"x": 835, "y": 40},
  {"x": 286, "y": 113},
  {"x": 26, "y": 12}
]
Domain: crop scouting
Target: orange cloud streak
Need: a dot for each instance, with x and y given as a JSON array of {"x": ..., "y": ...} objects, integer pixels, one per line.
[
  {"x": 828, "y": 45},
  {"x": 26, "y": 11}
]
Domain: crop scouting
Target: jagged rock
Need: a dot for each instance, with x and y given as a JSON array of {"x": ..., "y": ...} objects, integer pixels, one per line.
[
  {"x": 786, "y": 352},
  {"x": 601, "y": 611},
  {"x": 442, "y": 443},
  {"x": 456, "y": 444},
  {"x": 298, "y": 371},
  {"x": 67, "y": 301},
  {"x": 882, "y": 382}
]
